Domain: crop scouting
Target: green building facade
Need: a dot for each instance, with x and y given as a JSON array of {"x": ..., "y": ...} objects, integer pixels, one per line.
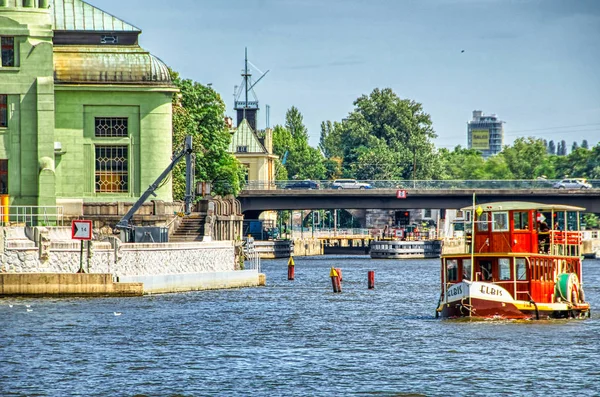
[{"x": 85, "y": 112}]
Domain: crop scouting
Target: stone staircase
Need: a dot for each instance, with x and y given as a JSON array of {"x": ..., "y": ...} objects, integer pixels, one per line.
[{"x": 191, "y": 228}]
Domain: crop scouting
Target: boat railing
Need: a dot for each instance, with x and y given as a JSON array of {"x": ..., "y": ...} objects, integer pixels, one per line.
[
  {"x": 567, "y": 243},
  {"x": 553, "y": 242}
]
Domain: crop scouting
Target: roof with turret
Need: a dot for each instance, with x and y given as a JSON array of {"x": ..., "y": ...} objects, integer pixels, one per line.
[{"x": 77, "y": 15}]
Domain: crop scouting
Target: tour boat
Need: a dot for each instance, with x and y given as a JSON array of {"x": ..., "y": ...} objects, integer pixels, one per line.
[
  {"x": 399, "y": 249},
  {"x": 519, "y": 260}
]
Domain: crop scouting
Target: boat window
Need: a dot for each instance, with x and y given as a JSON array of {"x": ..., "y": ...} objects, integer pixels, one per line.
[
  {"x": 466, "y": 269},
  {"x": 482, "y": 222},
  {"x": 452, "y": 270},
  {"x": 521, "y": 269},
  {"x": 521, "y": 220},
  {"x": 504, "y": 266},
  {"x": 572, "y": 221},
  {"x": 486, "y": 270},
  {"x": 558, "y": 223},
  {"x": 500, "y": 221}
]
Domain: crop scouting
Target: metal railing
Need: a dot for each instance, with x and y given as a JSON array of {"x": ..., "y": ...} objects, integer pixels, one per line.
[
  {"x": 525, "y": 184},
  {"x": 251, "y": 256},
  {"x": 32, "y": 215}
]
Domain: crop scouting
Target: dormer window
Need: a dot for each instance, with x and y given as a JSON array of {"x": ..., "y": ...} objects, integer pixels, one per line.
[
  {"x": 242, "y": 149},
  {"x": 8, "y": 51},
  {"x": 109, "y": 39}
]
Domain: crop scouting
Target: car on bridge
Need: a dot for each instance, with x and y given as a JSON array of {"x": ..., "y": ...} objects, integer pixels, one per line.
[
  {"x": 573, "y": 183},
  {"x": 349, "y": 184},
  {"x": 306, "y": 184}
]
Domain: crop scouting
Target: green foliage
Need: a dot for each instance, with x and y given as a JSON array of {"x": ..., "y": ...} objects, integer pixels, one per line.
[
  {"x": 591, "y": 221},
  {"x": 330, "y": 142},
  {"x": 282, "y": 142},
  {"x": 581, "y": 163},
  {"x": 333, "y": 168},
  {"x": 199, "y": 111},
  {"x": 294, "y": 123},
  {"x": 466, "y": 164},
  {"x": 561, "y": 150},
  {"x": 301, "y": 160},
  {"x": 524, "y": 156},
  {"x": 384, "y": 136}
]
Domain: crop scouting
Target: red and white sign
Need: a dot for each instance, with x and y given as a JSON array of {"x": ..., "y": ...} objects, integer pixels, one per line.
[
  {"x": 81, "y": 230},
  {"x": 401, "y": 194}
]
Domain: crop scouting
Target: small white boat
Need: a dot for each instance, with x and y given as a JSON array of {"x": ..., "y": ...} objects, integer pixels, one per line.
[{"x": 403, "y": 249}]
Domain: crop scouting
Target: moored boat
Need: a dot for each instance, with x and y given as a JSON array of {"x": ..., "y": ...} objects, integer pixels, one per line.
[
  {"x": 403, "y": 249},
  {"x": 514, "y": 266}
]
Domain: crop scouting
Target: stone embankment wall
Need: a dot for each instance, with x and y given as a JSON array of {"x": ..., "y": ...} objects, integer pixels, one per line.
[
  {"x": 162, "y": 267},
  {"x": 285, "y": 248},
  {"x": 308, "y": 247},
  {"x": 65, "y": 284}
]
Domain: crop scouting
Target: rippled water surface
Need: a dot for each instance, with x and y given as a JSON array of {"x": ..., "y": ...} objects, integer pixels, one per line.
[{"x": 294, "y": 338}]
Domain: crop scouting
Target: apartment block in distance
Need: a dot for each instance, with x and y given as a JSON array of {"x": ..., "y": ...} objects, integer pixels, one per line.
[{"x": 485, "y": 133}]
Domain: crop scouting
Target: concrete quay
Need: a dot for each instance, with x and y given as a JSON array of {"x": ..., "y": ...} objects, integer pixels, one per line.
[
  {"x": 65, "y": 285},
  {"x": 42, "y": 261}
]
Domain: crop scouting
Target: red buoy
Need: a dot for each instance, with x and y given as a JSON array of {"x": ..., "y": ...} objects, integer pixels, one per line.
[
  {"x": 291, "y": 267},
  {"x": 339, "y": 272},
  {"x": 371, "y": 277},
  {"x": 335, "y": 280}
]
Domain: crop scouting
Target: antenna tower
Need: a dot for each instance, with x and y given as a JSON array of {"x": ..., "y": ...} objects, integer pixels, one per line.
[{"x": 245, "y": 108}]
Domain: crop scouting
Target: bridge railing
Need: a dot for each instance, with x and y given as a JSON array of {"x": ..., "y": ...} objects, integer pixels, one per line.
[{"x": 525, "y": 184}]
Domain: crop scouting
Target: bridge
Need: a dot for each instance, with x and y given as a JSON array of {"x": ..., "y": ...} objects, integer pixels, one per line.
[{"x": 256, "y": 198}]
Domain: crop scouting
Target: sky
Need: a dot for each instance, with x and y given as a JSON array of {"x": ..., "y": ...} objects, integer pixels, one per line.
[{"x": 533, "y": 63}]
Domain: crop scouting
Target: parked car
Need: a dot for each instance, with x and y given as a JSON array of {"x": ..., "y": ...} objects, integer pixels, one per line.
[
  {"x": 573, "y": 183},
  {"x": 349, "y": 184},
  {"x": 306, "y": 184}
]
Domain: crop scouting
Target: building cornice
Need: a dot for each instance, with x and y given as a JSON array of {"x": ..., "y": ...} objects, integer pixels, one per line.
[{"x": 115, "y": 87}]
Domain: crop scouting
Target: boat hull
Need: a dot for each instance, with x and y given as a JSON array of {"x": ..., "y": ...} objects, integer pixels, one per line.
[{"x": 485, "y": 300}]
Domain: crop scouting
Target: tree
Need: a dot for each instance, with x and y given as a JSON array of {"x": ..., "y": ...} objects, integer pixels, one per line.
[
  {"x": 524, "y": 157},
  {"x": 330, "y": 140},
  {"x": 294, "y": 123},
  {"x": 584, "y": 144},
  {"x": 378, "y": 162},
  {"x": 282, "y": 142},
  {"x": 574, "y": 147},
  {"x": 591, "y": 221},
  {"x": 199, "y": 111},
  {"x": 461, "y": 163},
  {"x": 581, "y": 163},
  {"x": 291, "y": 142},
  {"x": 396, "y": 130},
  {"x": 562, "y": 148},
  {"x": 551, "y": 147}
]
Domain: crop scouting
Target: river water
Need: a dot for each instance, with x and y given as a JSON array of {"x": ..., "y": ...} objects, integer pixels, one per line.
[{"x": 295, "y": 338}]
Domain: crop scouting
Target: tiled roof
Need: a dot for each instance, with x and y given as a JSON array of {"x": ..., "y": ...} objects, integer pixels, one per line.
[
  {"x": 80, "y": 16},
  {"x": 245, "y": 137}
]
